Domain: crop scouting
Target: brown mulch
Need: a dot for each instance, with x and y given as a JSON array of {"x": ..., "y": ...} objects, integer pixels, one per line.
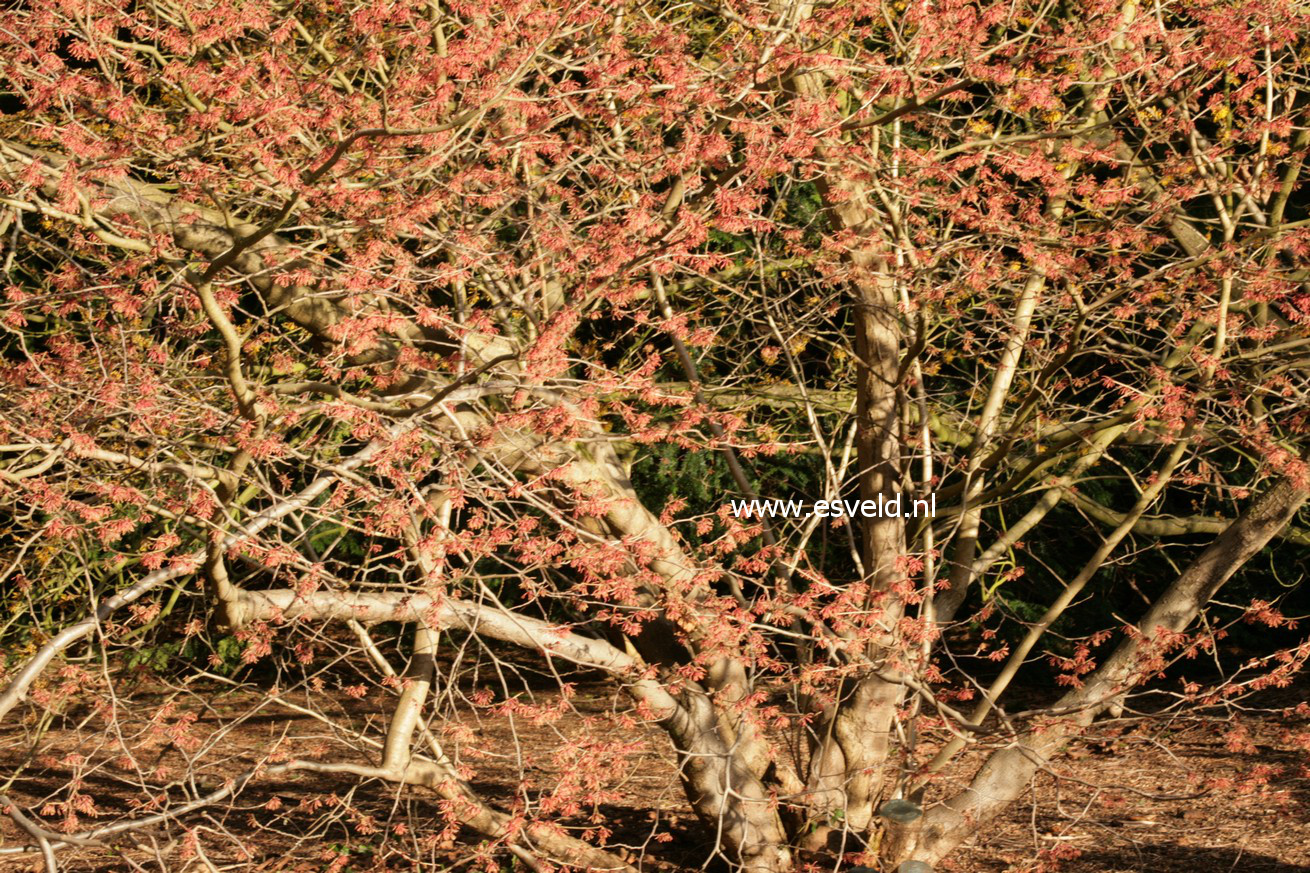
[{"x": 1186, "y": 796}]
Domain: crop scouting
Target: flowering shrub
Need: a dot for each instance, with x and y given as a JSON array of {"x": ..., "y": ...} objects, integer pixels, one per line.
[{"x": 350, "y": 347}]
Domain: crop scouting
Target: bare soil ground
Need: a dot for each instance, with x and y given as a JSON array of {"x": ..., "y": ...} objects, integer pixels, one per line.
[{"x": 1125, "y": 800}]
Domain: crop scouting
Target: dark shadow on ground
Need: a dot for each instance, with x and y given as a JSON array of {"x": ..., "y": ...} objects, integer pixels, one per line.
[{"x": 1173, "y": 858}]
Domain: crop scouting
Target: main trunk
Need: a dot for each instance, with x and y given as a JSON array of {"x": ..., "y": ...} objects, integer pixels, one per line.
[{"x": 852, "y": 746}]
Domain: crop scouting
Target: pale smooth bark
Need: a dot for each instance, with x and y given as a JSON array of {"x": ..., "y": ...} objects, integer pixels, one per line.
[{"x": 1006, "y": 773}]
